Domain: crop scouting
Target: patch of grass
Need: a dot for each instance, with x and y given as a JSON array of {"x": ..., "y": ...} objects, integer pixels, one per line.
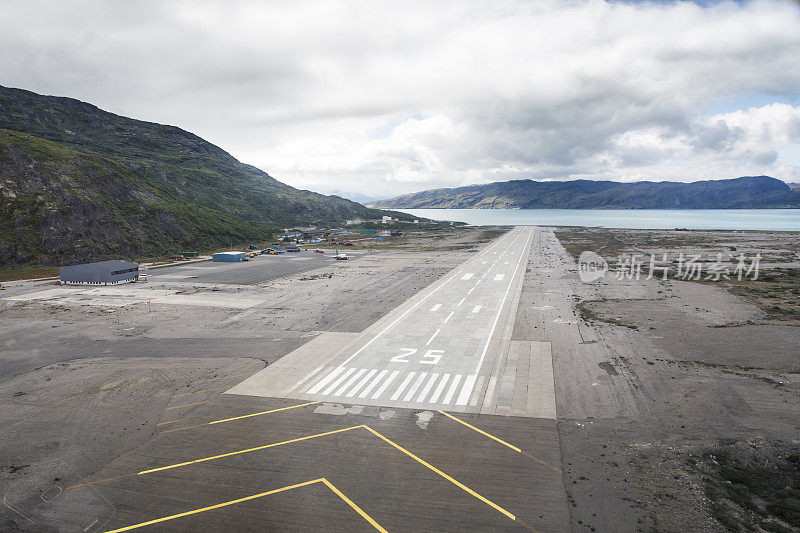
[
  {"x": 750, "y": 492},
  {"x": 27, "y": 272}
]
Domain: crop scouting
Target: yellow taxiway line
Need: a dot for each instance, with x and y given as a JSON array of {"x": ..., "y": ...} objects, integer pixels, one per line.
[
  {"x": 324, "y": 481},
  {"x": 501, "y": 441},
  {"x": 240, "y": 417},
  {"x": 308, "y": 437}
]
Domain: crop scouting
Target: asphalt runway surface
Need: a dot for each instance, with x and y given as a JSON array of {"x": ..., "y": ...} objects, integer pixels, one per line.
[{"x": 257, "y": 270}]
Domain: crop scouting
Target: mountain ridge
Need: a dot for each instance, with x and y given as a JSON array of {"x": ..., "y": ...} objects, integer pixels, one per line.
[
  {"x": 173, "y": 190},
  {"x": 748, "y": 192}
]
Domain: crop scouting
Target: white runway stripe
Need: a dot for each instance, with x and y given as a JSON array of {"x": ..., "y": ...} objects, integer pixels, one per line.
[
  {"x": 476, "y": 308},
  {"x": 433, "y": 337},
  {"x": 466, "y": 390},
  {"x": 467, "y": 275},
  {"x": 499, "y": 277},
  {"x": 415, "y": 386},
  {"x": 324, "y": 381},
  {"x": 439, "y": 388},
  {"x": 350, "y": 382},
  {"x": 372, "y": 385},
  {"x": 361, "y": 383},
  {"x": 338, "y": 381},
  {"x": 452, "y": 390},
  {"x": 436, "y": 307},
  {"x": 427, "y": 388},
  {"x": 403, "y": 385},
  {"x": 448, "y": 317},
  {"x": 385, "y": 385},
  {"x": 461, "y": 302}
]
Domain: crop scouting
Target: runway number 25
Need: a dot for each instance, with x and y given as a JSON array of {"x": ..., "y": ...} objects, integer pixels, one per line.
[{"x": 431, "y": 357}]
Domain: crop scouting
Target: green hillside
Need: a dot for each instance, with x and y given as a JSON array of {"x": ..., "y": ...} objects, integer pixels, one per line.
[{"x": 78, "y": 183}]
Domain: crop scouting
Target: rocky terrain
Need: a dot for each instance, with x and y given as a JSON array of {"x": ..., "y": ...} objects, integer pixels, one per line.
[
  {"x": 739, "y": 193},
  {"x": 79, "y": 183}
]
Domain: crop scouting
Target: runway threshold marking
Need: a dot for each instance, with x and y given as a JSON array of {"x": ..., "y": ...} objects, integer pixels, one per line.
[
  {"x": 241, "y": 417},
  {"x": 501, "y": 441},
  {"x": 334, "y": 432},
  {"x": 322, "y": 480}
]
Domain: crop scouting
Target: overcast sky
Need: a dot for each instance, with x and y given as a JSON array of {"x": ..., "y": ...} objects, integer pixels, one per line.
[{"x": 381, "y": 98}]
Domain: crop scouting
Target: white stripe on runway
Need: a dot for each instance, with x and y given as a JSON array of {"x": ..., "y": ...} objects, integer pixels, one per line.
[
  {"x": 499, "y": 277},
  {"x": 372, "y": 385},
  {"x": 466, "y": 390},
  {"x": 361, "y": 383},
  {"x": 433, "y": 337},
  {"x": 428, "y": 387},
  {"x": 324, "y": 381},
  {"x": 439, "y": 388},
  {"x": 476, "y": 308},
  {"x": 338, "y": 381},
  {"x": 436, "y": 307},
  {"x": 415, "y": 386},
  {"x": 461, "y": 302},
  {"x": 448, "y": 317},
  {"x": 385, "y": 385},
  {"x": 470, "y": 291},
  {"x": 350, "y": 382},
  {"x": 467, "y": 275},
  {"x": 452, "y": 390},
  {"x": 403, "y": 385}
]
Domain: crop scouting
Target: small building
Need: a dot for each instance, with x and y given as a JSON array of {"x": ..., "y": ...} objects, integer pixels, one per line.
[
  {"x": 102, "y": 272},
  {"x": 314, "y": 233},
  {"x": 385, "y": 219},
  {"x": 190, "y": 254},
  {"x": 230, "y": 257}
]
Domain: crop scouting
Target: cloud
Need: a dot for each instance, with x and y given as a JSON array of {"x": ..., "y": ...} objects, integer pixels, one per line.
[{"x": 383, "y": 98}]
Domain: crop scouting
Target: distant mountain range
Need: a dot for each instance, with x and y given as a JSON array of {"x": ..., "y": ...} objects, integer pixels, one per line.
[
  {"x": 750, "y": 192},
  {"x": 79, "y": 183}
]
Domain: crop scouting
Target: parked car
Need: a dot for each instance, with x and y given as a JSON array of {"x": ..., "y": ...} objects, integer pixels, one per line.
[
  {"x": 293, "y": 249},
  {"x": 348, "y": 243},
  {"x": 342, "y": 257},
  {"x": 318, "y": 251}
]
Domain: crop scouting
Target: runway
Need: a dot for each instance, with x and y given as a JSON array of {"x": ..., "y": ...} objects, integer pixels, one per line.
[{"x": 448, "y": 347}]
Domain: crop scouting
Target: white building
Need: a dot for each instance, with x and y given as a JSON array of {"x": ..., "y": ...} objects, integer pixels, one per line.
[{"x": 386, "y": 220}]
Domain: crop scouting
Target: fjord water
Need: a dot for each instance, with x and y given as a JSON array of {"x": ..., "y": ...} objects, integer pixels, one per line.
[{"x": 723, "y": 219}]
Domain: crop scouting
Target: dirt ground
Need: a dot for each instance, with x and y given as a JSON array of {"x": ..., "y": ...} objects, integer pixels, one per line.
[{"x": 716, "y": 365}]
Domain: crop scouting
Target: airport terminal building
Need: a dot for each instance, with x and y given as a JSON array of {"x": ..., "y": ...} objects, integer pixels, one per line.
[{"x": 104, "y": 272}]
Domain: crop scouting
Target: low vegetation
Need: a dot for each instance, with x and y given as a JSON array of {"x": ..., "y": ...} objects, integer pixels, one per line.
[{"x": 753, "y": 491}]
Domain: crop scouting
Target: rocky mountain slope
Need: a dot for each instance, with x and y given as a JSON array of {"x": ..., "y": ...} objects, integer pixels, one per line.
[
  {"x": 747, "y": 192},
  {"x": 79, "y": 183}
]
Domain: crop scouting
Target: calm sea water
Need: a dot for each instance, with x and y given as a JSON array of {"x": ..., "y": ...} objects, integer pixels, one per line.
[{"x": 730, "y": 219}]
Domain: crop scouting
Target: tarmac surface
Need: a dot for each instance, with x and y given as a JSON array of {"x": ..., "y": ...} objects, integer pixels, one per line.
[
  {"x": 258, "y": 269},
  {"x": 448, "y": 347},
  {"x": 292, "y": 461}
]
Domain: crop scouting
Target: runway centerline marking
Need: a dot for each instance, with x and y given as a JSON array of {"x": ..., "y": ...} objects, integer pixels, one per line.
[
  {"x": 448, "y": 317},
  {"x": 433, "y": 337},
  {"x": 436, "y": 307}
]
